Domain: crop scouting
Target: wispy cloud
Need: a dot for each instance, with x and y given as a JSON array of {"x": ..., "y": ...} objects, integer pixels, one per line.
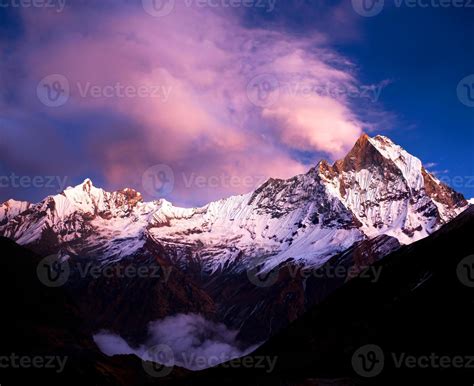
[
  {"x": 190, "y": 341},
  {"x": 240, "y": 100}
]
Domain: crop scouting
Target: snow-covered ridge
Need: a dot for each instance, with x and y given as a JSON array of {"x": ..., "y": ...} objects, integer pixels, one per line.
[
  {"x": 12, "y": 208},
  {"x": 377, "y": 189},
  {"x": 409, "y": 165}
]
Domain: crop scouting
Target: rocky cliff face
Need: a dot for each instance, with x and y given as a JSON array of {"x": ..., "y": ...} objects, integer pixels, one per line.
[{"x": 358, "y": 209}]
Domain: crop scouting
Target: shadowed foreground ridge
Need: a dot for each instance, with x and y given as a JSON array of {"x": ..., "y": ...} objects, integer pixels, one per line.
[{"x": 418, "y": 307}]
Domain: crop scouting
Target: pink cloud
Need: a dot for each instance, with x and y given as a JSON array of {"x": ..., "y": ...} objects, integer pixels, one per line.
[{"x": 203, "y": 60}]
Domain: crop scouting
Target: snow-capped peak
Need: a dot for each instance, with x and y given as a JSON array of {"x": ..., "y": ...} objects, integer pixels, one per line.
[
  {"x": 471, "y": 201},
  {"x": 12, "y": 208},
  {"x": 410, "y": 166},
  {"x": 377, "y": 189}
]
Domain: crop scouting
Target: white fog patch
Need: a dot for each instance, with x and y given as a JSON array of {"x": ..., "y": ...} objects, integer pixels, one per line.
[{"x": 196, "y": 343}]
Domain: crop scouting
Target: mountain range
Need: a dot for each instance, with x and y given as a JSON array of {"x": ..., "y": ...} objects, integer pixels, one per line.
[
  {"x": 377, "y": 189},
  {"x": 240, "y": 261}
]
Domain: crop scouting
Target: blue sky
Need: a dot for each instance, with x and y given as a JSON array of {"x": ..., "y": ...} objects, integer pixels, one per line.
[{"x": 416, "y": 56}]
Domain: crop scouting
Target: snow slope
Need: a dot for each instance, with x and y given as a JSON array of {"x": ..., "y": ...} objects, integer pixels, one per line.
[{"x": 378, "y": 188}]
